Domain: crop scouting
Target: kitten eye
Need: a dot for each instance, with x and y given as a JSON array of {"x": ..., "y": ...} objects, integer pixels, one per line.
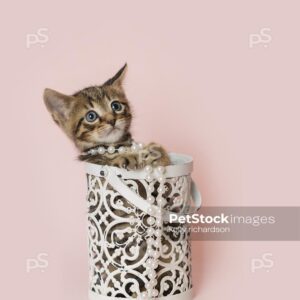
[
  {"x": 116, "y": 106},
  {"x": 91, "y": 116}
]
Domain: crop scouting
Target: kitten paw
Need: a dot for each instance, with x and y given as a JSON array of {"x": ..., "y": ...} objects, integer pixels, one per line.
[
  {"x": 155, "y": 155},
  {"x": 126, "y": 162}
]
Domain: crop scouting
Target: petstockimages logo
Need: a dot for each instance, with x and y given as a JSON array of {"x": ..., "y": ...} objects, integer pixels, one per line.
[
  {"x": 236, "y": 223},
  {"x": 195, "y": 218},
  {"x": 221, "y": 219}
]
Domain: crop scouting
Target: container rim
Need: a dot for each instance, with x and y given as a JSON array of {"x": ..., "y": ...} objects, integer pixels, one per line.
[{"x": 182, "y": 165}]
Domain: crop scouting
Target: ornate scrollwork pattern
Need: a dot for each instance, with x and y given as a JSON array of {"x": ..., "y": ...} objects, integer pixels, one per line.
[{"x": 133, "y": 254}]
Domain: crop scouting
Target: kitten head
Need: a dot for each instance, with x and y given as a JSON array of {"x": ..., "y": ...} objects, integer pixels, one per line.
[{"x": 95, "y": 115}]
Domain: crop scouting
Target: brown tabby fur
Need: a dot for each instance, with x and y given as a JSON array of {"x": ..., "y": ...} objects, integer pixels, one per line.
[{"x": 111, "y": 128}]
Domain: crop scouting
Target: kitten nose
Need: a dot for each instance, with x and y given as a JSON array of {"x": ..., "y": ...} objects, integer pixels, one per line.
[{"x": 111, "y": 122}]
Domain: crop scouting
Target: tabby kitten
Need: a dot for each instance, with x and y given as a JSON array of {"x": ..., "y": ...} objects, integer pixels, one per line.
[{"x": 101, "y": 116}]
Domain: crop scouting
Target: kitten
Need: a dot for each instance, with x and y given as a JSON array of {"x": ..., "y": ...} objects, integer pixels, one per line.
[{"x": 101, "y": 116}]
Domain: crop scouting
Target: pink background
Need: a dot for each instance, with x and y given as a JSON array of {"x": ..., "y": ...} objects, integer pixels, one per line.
[{"x": 196, "y": 86}]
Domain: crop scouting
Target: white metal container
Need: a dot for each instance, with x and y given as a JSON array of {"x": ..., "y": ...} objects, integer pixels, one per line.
[{"x": 135, "y": 253}]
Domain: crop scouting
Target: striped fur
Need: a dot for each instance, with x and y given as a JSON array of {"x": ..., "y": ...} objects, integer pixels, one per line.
[{"x": 110, "y": 128}]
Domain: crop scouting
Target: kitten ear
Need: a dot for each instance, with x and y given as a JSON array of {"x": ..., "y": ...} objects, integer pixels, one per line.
[
  {"x": 59, "y": 105},
  {"x": 117, "y": 80}
]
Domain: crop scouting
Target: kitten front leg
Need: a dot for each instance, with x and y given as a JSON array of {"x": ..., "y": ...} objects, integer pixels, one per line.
[{"x": 152, "y": 154}]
